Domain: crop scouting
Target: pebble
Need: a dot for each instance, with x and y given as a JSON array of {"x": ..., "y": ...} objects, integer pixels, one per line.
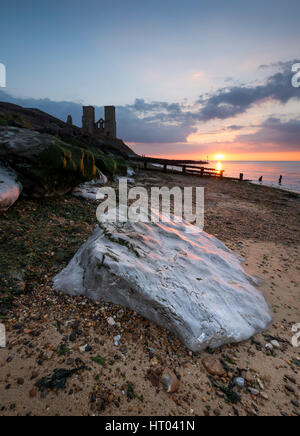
[
  {"x": 111, "y": 321},
  {"x": 117, "y": 340},
  {"x": 33, "y": 393},
  {"x": 154, "y": 361},
  {"x": 83, "y": 349},
  {"x": 239, "y": 382},
  {"x": 254, "y": 392},
  {"x": 269, "y": 347},
  {"x": 72, "y": 337},
  {"x": 170, "y": 381},
  {"x": 213, "y": 366},
  {"x": 275, "y": 344},
  {"x": 110, "y": 398},
  {"x": 264, "y": 396}
]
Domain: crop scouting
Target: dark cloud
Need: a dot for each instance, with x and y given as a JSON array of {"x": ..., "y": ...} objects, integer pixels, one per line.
[
  {"x": 235, "y": 127},
  {"x": 234, "y": 101},
  {"x": 275, "y": 134}
]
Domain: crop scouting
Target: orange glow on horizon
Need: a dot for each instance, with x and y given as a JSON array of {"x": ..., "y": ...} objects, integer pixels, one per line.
[{"x": 210, "y": 155}]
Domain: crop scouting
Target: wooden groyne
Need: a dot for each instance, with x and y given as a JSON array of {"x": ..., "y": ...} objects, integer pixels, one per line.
[{"x": 187, "y": 167}]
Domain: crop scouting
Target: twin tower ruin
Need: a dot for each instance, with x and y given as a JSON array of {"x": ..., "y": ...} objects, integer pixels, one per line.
[{"x": 104, "y": 127}]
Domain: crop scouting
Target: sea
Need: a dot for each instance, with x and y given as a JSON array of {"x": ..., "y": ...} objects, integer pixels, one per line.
[{"x": 270, "y": 171}]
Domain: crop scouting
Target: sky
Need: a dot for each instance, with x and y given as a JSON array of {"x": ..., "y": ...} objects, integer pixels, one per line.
[{"x": 189, "y": 78}]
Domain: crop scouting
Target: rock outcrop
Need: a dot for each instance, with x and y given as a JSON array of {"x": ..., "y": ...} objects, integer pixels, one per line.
[
  {"x": 10, "y": 188},
  {"x": 45, "y": 164},
  {"x": 191, "y": 284}
]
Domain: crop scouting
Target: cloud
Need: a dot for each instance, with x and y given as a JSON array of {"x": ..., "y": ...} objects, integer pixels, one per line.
[
  {"x": 165, "y": 122},
  {"x": 276, "y": 135},
  {"x": 139, "y": 122},
  {"x": 233, "y": 101}
]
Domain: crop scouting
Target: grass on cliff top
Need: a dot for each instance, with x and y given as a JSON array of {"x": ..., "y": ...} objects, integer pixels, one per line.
[{"x": 38, "y": 238}]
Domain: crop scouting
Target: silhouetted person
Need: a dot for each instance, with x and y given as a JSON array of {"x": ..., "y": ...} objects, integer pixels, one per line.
[
  {"x": 280, "y": 180},
  {"x": 260, "y": 179}
]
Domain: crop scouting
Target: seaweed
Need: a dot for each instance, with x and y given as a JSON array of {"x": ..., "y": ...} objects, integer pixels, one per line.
[
  {"x": 58, "y": 379},
  {"x": 131, "y": 394},
  {"x": 63, "y": 350},
  {"x": 231, "y": 396},
  {"x": 99, "y": 360}
]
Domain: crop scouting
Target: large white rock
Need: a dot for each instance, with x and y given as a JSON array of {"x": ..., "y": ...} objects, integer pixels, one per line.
[
  {"x": 191, "y": 284},
  {"x": 10, "y": 188}
]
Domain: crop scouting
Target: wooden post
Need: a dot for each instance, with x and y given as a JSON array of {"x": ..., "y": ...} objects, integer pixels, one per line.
[
  {"x": 241, "y": 177},
  {"x": 184, "y": 169},
  {"x": 222, "y": 174},
  {"x": 165, "y": 168},
  {"x": 202, "y": 172},
  {"x": 145, "y": 164}
]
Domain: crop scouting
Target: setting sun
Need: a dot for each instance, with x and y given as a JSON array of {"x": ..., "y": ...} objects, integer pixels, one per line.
[{"x": 219, "y": 156}]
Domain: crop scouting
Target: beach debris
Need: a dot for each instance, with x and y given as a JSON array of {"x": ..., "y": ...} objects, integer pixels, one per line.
[
  {"x": 170, "y": 381},
  {"x": 213, "y": 366},
  {"x": 224, "y": 307}
]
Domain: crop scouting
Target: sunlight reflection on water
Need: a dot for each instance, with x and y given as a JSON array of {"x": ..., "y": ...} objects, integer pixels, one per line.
[{"x": 271, "y": 171}]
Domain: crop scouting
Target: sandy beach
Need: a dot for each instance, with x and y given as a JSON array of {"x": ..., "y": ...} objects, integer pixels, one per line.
[{"x": 46, "y": 331}]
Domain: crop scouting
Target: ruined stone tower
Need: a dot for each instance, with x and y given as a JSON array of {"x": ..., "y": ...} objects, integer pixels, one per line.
[
  {"x": 88, "y": 120},
  {"x": 101, "y": 128},
  {"x": 110, "y": 121}
]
